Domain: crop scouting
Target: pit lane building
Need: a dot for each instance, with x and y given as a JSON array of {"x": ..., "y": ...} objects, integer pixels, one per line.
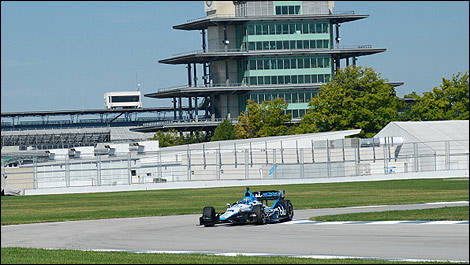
[{"x": 261, "y": 50}]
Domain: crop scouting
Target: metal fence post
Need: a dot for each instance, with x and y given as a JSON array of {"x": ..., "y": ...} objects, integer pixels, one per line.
[
  {"x": 235, "y": 153},
  {"x": 188, "y": 160},
  {"x": 251, "y": 156},
  {"x": 373, "y": 147},
  {"x": 447, "y": 155},
  {"x": 342, "y": 147},
  {"x": 302, "y": 173},
  {"x": 67, "y": 171},
  {"x": 98, "y": 170},
  {"x": 204, "y": 155},
  {"x": 35, "y": 173},
  {"x": 266, "y": 151},
  {"x": 246, "y": 164},
  {"x": 328, "y": 160},
  {"x": 385, "y": 158},
  {"x": 415, "y": 150},
  {"x": 297, "y": 151},
  {"x": 129, "y": 175},
  {"x": 282, "y": 154},
  {"x": 218, "y": 164},
  {"x": 274, "y": 164},
  {"x": 313, "y": 153}
]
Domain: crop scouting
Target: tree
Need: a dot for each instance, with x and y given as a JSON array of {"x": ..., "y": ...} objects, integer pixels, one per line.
[
  {"x": 173, "y": 137},
  {"x": 357, "y": 98},
  {"x": 447, "y": 102},
  {"x": 224, "y": 131},
  {"x": 261, "y": 120}
]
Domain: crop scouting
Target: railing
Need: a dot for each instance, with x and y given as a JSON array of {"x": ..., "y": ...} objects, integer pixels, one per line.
[{"x": 245, "y": 159}]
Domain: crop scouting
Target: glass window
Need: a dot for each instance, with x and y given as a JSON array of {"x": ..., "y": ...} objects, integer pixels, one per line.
[
  {"x": 253, "y": 80},
  {"x": 284, "y": 10},
  {"x": 295, "y": 113},
  {"x": 259, "y": 45},
  {"x": 308, "y": 80},
  {"x": 285, "y": 28},
  {"x": 293, "y": 63},
  {"x": 298, "y": 28},
  {"x": 293, "y": 79},
  {"x": 265, "y": 45},
  {"x": 291, "y": 28},
  {"x": 306, "y": 44},
  {"x": 278, "y": 29},
  {"x": 267, "y": 81},
  {"x": 327, "y": 77},
  {"x": 300, "y": 44},
  {"x": 279, "y": 45},
  {"x": 280, "y": 64},
  {"x": 291, "y": 10},
  {"x": 295, "y": 97},
  {"x": 314, "y": 62},
  {"x": 288, "y": 98},
  {"x": 326, "y": 27},
  {"x": 273, "y": 64},
  {"x": 267, "y": 64},
  {"x": 274, "y": 80},
  {"x": 252, "y": 64},
  {"x": 272, "y": 29},
  {"x": 287, "y": 64},
  {"x": 292, "y": 44},
  {"x": 251, "y": 30},
  {"x": 259, "y": 65},
  {"x": 308, "y": 97},
  {"x": 265, "y": 29},
  {"x": 287, "y": 79},
  {"x": 301, "y": 94},
  {"x": 326, "y": 43},
  {"x": 305, "y": 28},
  {"x": 297, "y": 9},
  {"x": 313, "y": 44},
  {"x": 319, "y": 44},
  {"x": 318, "y": 28},
  {"x": 260, "y": 80},
  {"x": 314, "y": 79},
  {"x": 312, "y": 28},
  {"x": 272, "y": 45},
  {"x": 280, "y": 79},
  {"x": 285, "y": 45},
  {"x": 321, "y": 79},
  {"x": 251, "y": 46},
  {"x": 307, "y": 63},
  {"x": 300, "y": 63},
  {"x": 326, "y": 62},
  {"x": 278, "y": 10},
  {"x": 258, "y": 30},
  {"x": 320, "y": 62}
]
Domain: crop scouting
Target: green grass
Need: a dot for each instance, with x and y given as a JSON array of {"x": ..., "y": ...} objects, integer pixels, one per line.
[
  {"x": 438, "y": 214},
  {"x": 63, "y": 207},
  {"x": 42, "y": 256}
]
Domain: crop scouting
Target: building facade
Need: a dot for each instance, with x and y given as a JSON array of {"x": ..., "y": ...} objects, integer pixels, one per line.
[{"x": 261, "y": 50}]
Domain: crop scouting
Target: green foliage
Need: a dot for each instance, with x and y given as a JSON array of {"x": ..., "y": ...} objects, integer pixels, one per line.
[
  {"x": 357, "y": 98},
  {"x": 224, "y": 131},
  {"x": 173, "y": 137},
  {"x": 261, "y": 120},
  {"x": 447, "y": 102}
]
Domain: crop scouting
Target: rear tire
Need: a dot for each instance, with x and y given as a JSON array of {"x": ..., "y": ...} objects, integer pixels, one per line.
[
  {"x": 259, "y": 212},
  {"x": 208, "y": 216},
  {"x": 290, "y": 210}
]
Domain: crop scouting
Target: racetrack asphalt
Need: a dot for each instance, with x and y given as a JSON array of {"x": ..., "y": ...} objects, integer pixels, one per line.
[{"x": 431, "y": 241}]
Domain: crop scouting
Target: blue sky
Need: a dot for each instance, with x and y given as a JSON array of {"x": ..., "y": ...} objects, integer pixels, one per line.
[{"x": 66, "y": 55}]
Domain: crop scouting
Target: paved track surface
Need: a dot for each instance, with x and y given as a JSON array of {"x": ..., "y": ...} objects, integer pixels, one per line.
[{"x": 181, "y": 233}]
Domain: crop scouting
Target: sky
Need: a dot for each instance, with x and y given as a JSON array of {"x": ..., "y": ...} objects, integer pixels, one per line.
[{"x": 66, "y": 55}]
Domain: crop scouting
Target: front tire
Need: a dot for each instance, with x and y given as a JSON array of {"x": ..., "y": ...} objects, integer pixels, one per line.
[
  {"x": 290, "y": 210},
  {"x": 208, "y": 216},
  {"x": 259, "y": 212}
]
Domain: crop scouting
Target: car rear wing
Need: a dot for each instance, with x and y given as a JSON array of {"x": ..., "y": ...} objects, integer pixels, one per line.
[{"x": 269, "y": 195}]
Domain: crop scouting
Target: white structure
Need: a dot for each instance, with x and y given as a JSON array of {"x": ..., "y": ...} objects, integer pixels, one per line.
[{"x": 124, "y": 100}]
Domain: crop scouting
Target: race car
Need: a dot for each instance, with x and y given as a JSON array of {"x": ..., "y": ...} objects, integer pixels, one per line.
[{"x": 251, "y": 210}]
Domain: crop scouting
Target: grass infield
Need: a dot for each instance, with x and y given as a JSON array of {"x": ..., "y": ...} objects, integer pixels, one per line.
[
  {"x": 438, "y": 214},
  {"x": 42, "y": 256},
  {"x": 64, "y": 207}
]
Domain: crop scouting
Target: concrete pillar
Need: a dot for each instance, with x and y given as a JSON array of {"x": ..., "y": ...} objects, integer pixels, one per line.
[
  {"x": 189, "y": 74},
  {"x": 195, "y": 75},
  {"x": 354, "y": 59},
  {"x": 203, "y": 32},
  {"x": 337, "y": 35},
  {"x": 190, "y": 105},
  {"x": 347, "y": 61},
  {"x": 180, "y": 107},
  {"x": 174, "y": 108}
]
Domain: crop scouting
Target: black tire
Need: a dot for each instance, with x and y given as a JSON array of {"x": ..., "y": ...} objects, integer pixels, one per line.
[
  {"x": 290, "y": 210},
  {"x": 259, "y": 212},
  {"x": 208, "y": 216}
]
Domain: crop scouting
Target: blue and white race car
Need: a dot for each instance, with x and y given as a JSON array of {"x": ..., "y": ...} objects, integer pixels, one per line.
[{"x": 252, "y": 210}]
